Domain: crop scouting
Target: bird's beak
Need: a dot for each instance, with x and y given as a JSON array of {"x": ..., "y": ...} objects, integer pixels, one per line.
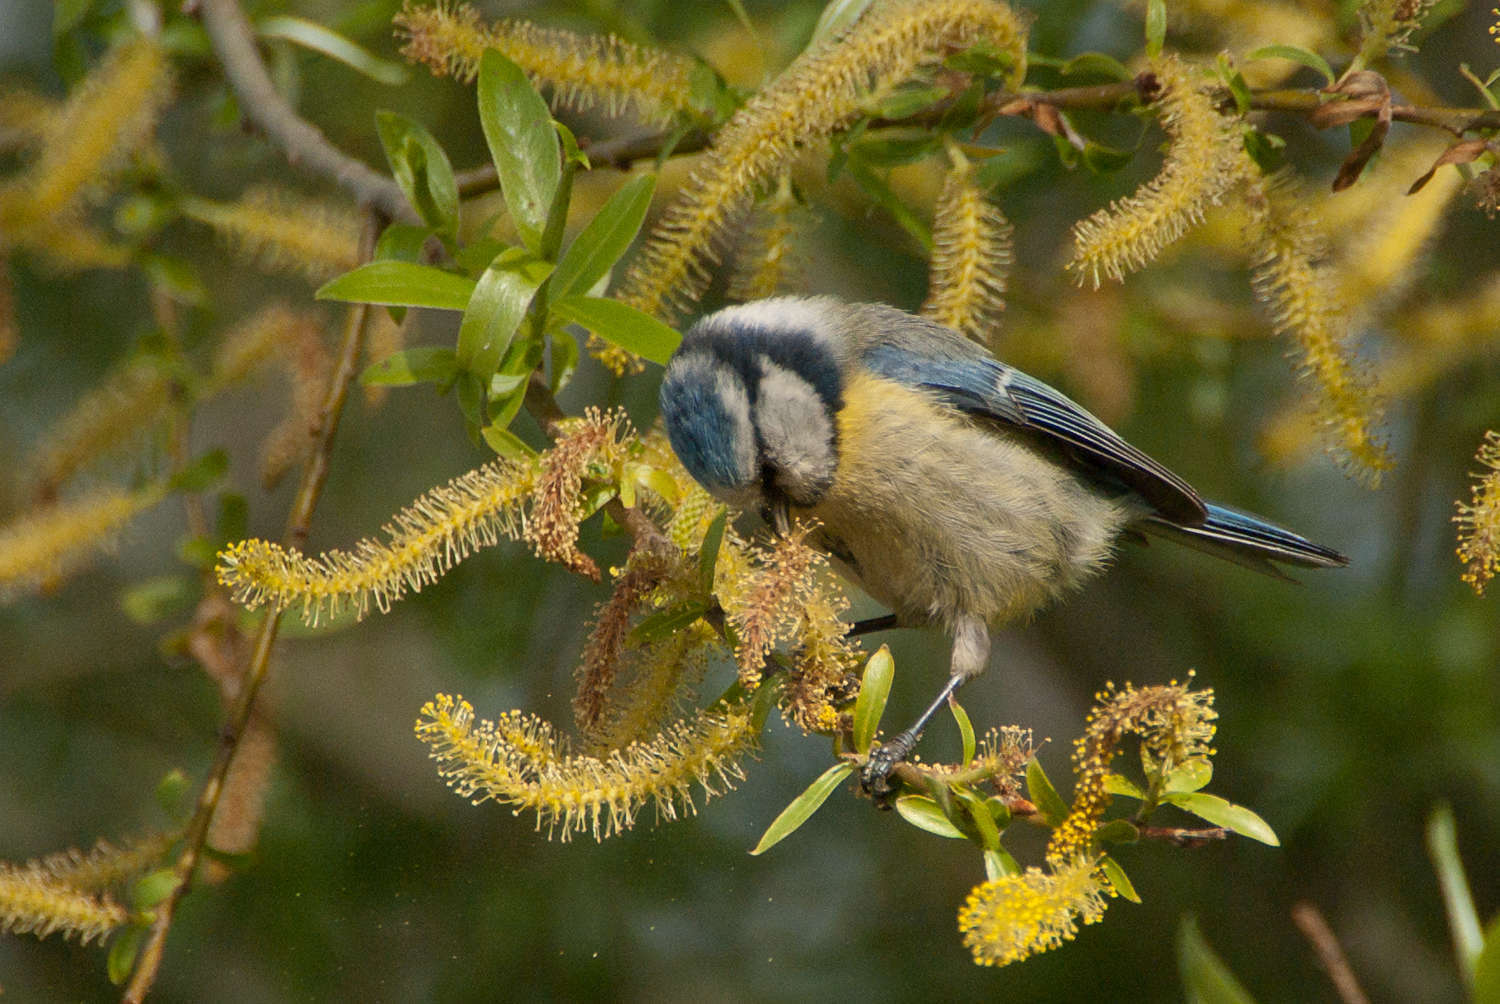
[{"x": 781, "y": 517}]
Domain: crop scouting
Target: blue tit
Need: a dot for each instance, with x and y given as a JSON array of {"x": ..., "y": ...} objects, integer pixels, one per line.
[{"x": 956, "y": 490}]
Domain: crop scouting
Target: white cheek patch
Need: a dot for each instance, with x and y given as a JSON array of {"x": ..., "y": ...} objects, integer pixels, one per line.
[
  {"x": 796, "y": 433},
  {"x": 736, "y": 401}
]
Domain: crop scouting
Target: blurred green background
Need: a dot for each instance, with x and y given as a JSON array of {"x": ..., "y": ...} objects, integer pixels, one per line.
[{"x": 1350, "y": 705}]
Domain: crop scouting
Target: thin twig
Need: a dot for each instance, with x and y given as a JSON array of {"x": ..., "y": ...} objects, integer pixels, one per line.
[
  {"x": 303, "y": 144},
  {"x": 314, "y": 475},
  {"x": 1330, "y": 953}
]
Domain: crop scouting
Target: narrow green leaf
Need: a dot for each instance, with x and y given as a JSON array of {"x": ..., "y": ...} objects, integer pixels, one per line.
[
  {"x": 522, "y": 142},
  {"x": 1119, "y": 784},
  {"x": 1117, "y": 831},
  {"x": 422, "y": 170},
  {"x": 1296, "y": 55},
  {"x": 506, "y": 443},
  {"x": 605, "y": 238},
  {"x": 1190, "y": 775},
  {"x": 803, "y": 806},
  {"x": 965, "y": 728},
  {"x": 429, "y": 364},
  {"x": 925, "y": 814},
  {"x": 1224, "y": 813},
  {"x": 1095, "y": 64},
  {"x": 151, "y": 888},
  {"x": 122, "y": 952},
  {"x": 496, "y": 309},
  {"x": 1486, "y": 985},
  {"x": 984, "y": 823},
  {"x": 1156, "y": 28},
  {"x": 402, "y": 242},
  {"x": 400, "y": 284},
  {"x": 564, "y": 360},
  {"x": 1205, "y": 978},
  {"x": 1463, "y": 919},
  {"x": 202, "y": 473},
  {"x": 622, "y": 325},
  {"x": 837, "y": 17},
  {"x": 1119, "y": 879},
  {"x": 999, "y": 863},
  {"x": 171, "y": 790},
  {"x": 325, "y": 41},
  {"x": 874, "y": 690},
  {"x": 1048, "y": 802},
  {"x": 708, "y": 554},
  {"x": 665, "y": 623}
]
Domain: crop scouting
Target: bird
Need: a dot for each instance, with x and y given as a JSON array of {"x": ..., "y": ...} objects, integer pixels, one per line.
[{"x": 956, "y": 490}]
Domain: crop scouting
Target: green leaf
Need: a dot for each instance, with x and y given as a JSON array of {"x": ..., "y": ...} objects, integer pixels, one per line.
[
  {"x": 979, "y": 812},
  {"x": 905, "y": 101},
  {"x": 890, "y": 151},
  {"x": 1296, "y": 55},
  {"x": 1224, "y": 813},
  {"x": 1118, "y": 878},
  {"x": 429, "y": 364},
  {"x": 874, "y": 690},
  {"x": 621, "y": 324},
  {"x": 1048, "y": 802},
  {"x": 1487, "y": 965},
  {"x": 202, "y": 473},
  {"x": 925, "y": 814},
  {"x": 170, "y": 791},
  {"x": 803, "y": 806},
  {"x": 122, "y": 952},
  {"x": 422, "y": 170},
  {"x": 605, "y": 238},
  {"x": 1463, "y": 919},
  {"x": 1095, "y": 64},
  {"x": 1190, "y": 775},
  {"x": 402, "y": 242},
  {"x": 1119, "y": 784},
  {"x": 965, "y": 729},
  {"x": 564, "y": 360},
  {"x": 506, "y": 443},
  {"x": 150, "y": 889},
  {"x": 154, "y": 600},
  {"x": 708, "y": 554},
  {"x": 496, "y": 309},
  {"x": 665, "y": 623},
  {"x": 522, "y": 142},
  {"x": 400, "y": 284},
  {"x": 837, "y": 17},
  {"x": 1156, "y": 28},
  {"x": 1205, "y": 978},
  {"x": 999, "y": 863},
  {"x": 1117, "y": 831},
  {"x": 309, "y": 35}
]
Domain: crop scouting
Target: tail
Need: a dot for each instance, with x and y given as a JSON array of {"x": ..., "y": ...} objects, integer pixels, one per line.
[{"x": 1245, "y": 540}]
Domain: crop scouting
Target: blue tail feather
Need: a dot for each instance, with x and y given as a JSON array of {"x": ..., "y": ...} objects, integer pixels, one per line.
[{"x": 1246, "y": 540}]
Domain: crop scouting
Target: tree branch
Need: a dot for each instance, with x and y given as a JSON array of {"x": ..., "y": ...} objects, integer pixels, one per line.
[
  {"x": 301, "y": 142},
  {"x": 314, "y": 475}
]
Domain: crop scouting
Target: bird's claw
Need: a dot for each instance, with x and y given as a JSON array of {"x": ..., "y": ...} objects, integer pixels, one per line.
[{"x": 874, "y": 777}]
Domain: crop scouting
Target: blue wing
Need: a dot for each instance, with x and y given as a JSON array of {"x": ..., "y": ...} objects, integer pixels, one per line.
[{"x": 971, "y": 380}]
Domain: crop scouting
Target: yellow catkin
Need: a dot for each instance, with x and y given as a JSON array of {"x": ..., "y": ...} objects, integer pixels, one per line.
[
  {"x": 270, "y": 333},
  {"x": 25, "y": 118},
  {"x": 284, "y": 232},
  {"x": 44, "y": 545},
  {"x": 1175, "y": 725},
  {"x": 1014, "y": 917},
  {"x": 107, "y": 118},
  {"x": 426, "y": 539},
  {"x": 33, "y": 903},
  {"x": 769, "y": 261},
  {"x": 581, "y": 70},
  {"x": 971, "y": 256},
  {"x": 517, "y": 761},
  {"x": 1202, "y": 162},
  {"x": 824, "y": 89},
  {"x": 103, "y": 865},
  {"x": 1479, "y": 521},
  {"x": 1302, "y": 297}
]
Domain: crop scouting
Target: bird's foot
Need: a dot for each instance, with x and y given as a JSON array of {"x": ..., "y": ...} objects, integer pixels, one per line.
[{"x": 874, "y": 777}]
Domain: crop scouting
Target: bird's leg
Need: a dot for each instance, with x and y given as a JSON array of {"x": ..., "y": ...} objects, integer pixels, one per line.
[{"x": 971, "y": 652}]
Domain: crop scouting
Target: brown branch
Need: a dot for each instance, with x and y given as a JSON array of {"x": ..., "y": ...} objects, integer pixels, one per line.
[
  {"x": 303, "y": 144},
  {"x": 1330, "y": 953},
  {"x": 314, "y": 475}
]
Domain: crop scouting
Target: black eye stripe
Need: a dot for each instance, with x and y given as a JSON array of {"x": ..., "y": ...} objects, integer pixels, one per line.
[{"x": 792, "y": 349}]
